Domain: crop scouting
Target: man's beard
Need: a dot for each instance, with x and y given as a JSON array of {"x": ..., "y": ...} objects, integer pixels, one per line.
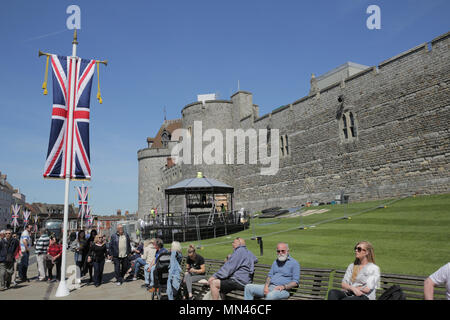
[{"x": 282, "y": 257}]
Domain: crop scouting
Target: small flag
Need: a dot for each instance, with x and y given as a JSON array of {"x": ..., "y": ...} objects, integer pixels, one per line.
[
  {"x": 15, "y": 215},
  {"x": 26, "y": 216},
  {"x": 82, "y": 200}
]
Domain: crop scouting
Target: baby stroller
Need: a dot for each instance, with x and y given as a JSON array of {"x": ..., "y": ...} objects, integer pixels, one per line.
[{"x": 160, "y": 274}]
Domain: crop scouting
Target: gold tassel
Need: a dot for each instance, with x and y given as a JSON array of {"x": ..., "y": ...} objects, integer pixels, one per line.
[
  {"x": 44, "y": 85},
  {"x": 99, "y": 96}
]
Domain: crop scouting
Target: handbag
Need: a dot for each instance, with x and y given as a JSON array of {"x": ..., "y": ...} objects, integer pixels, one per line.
[{"x": 49, "y": 258}]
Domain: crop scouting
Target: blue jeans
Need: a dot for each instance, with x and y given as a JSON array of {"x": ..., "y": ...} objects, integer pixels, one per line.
[
  {"x": 137, "y": 264},
  {"x": 23, "y": 266},
  {"x": 149, "y": 274},
  {"x": 257, "y": 290}
]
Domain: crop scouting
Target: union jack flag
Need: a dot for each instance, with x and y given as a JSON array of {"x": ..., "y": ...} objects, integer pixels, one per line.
[
  {"x": 89, "y": 217},
  {"x": 82, "y": 200},
  {"x": 88, "y": 212},
  {"x": 26, "y": 216},
  {"x": 15, "y": 215},
  {"x": 76, "y": 73}
]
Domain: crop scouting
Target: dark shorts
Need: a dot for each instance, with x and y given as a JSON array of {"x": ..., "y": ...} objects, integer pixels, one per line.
[{"x": 228, "y": 285}]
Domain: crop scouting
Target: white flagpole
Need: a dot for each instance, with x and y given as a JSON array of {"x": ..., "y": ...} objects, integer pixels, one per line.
[
  {"x": 82, "y": 207},
  {"x": 62, "y": 290}
]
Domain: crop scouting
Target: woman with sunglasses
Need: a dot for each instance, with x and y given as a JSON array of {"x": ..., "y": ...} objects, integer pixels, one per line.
[{"x": 361, "y": 278}]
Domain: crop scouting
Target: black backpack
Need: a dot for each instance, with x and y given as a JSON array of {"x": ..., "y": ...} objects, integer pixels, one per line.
[{"x": 395, "y": 292}]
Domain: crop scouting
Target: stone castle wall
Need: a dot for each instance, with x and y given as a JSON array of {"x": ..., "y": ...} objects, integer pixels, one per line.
[{"x": 402, "y": 114}]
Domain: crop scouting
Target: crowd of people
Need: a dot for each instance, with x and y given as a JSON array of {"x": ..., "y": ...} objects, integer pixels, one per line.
[{"x": 150, "y": 258}]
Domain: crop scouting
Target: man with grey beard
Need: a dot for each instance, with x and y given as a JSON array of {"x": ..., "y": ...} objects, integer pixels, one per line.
[{"x": 283, "y": 276}]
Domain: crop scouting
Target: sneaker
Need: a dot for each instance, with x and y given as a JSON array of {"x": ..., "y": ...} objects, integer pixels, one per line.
[
  {"x": 191, "y": 298},
  {"x": 145, "y": 286},
  {"x": 134, "y": 278},
  {"x": 118, "y": 283}
]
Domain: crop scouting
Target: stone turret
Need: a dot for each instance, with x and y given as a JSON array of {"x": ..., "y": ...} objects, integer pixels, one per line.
[{"x": 242, "y": 106}]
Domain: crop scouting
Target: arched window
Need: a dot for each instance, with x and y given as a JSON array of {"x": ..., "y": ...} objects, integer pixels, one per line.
[
  {"x": 344, "y": 122},
  {"x": 165, "y": 138},
  {"x": 284, "y": 145},
  {"x": 348, "y": 126}
]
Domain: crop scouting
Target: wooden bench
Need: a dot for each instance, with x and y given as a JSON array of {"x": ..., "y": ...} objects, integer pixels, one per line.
[
  {"x": 315, "y": 283},
  {"x": 411, "y": 285}
]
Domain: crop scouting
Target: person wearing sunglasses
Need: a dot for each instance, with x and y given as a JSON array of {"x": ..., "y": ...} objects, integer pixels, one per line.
[
  {"x": 283, "y": 276},
  {"x": 361, "y": 278}
]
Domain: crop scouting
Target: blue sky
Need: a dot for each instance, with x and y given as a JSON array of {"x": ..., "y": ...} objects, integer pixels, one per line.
[{"x": 164, "y": 53}]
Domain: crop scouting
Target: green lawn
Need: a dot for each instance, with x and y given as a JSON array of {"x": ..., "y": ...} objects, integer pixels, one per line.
[{"x": 410, "y": 236}]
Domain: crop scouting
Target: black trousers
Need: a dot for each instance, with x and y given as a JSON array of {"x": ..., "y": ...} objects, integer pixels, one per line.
[
  {"x": 341, "y": 295},
  {"x": 120, "y": 268},
  {"x": 98, "y": 272},
  {"x": 50, "y": 268}
]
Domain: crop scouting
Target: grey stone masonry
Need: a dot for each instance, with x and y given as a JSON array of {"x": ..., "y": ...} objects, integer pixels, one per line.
[{"x": 380, "y": 133}]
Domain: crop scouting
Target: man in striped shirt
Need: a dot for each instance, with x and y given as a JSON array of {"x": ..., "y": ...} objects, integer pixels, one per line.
[{"x": 41, "y": 253}]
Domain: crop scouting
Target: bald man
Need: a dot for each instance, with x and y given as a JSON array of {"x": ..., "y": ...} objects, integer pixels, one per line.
[
  {"x": 235, "y": 273},
  {"x": 120, "y": 250},
  {"x": 283, "y": 276}
]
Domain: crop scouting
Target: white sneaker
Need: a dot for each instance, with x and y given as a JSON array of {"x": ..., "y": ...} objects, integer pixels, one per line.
[
  {"x": 134, "y": 278},
  {"x": 118, "y": 283}
]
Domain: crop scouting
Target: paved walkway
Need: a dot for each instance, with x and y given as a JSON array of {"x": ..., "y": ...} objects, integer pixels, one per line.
[{"x": 36, "y": 290}]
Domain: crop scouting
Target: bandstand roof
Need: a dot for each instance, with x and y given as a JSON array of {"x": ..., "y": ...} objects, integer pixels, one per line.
[{"x": 199, "y": 185}]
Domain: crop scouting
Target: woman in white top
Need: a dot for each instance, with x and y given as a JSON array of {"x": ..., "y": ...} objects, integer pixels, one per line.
[{"x": 361, "y": 278}]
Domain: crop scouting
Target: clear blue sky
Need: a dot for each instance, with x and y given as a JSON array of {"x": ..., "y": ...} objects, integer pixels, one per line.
[{"x": 164, "y": 53}]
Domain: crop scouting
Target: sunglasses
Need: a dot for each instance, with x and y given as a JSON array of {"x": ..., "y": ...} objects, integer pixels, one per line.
[
  {"x": 359, "y": 249},
  {"x": 281, "y": 251}
]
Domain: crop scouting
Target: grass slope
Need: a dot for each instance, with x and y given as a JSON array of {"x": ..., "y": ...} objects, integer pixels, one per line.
[{"x": 410, "y": 236}]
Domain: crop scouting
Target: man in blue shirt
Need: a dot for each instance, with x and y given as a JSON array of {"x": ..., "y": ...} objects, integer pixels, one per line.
[{"x": 283, "y": 276}]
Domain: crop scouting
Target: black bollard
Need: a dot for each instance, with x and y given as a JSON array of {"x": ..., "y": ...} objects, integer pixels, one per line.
[{"x": 260, "y": 242}]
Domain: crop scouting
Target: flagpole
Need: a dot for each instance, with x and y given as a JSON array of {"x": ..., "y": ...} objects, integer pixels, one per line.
[
  {"x": 82, "y": 208},
  {"x": 62, "y": 290}
]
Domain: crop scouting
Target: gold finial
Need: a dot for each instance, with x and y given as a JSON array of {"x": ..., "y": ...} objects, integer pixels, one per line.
[{"x": 75, "y": 37}]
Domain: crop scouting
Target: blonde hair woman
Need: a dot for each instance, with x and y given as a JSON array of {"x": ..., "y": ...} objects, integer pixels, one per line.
[
  {"x": 97, "y": 255},
  {"x": 361, "y": 278}
]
